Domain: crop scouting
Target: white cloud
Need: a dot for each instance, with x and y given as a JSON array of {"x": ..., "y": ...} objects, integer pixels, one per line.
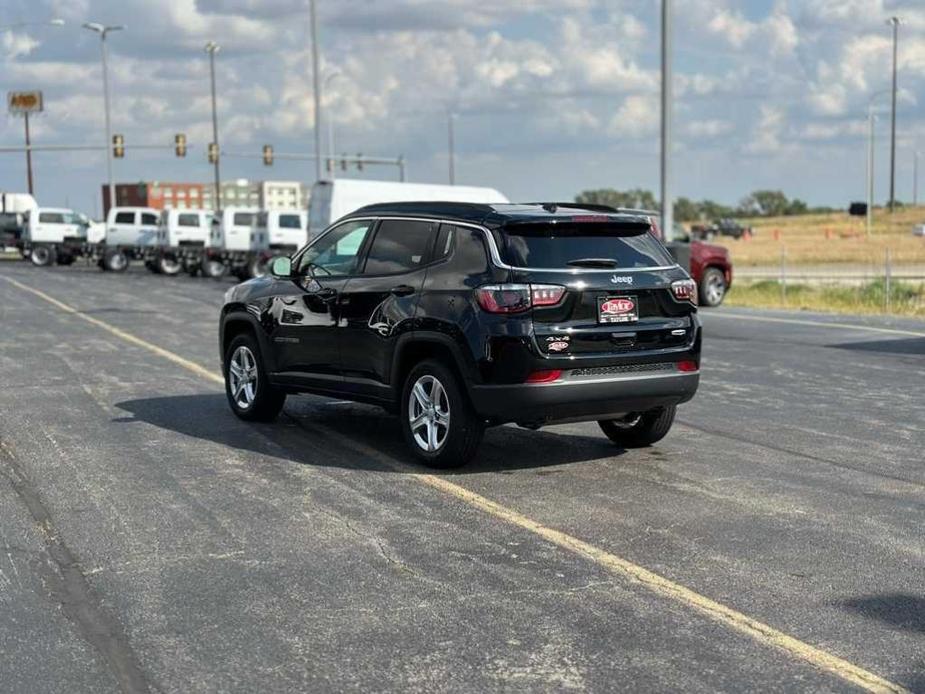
[
  {"x": 638, "y": 116},
  {"x": 766, "y": 135}
]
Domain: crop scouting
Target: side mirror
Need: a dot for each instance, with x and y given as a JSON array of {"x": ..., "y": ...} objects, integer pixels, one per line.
[{"x": 281, "y": 267}]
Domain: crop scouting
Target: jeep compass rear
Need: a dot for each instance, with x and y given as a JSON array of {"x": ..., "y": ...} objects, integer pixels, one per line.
[{"x": 463, "y": 316}]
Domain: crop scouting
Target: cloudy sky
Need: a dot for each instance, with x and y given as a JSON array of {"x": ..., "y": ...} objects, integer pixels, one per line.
[{"x": 552, "y": 96}]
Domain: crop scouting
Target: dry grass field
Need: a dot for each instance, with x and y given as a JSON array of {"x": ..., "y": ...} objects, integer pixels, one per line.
[{"x": 831, "y": 238}]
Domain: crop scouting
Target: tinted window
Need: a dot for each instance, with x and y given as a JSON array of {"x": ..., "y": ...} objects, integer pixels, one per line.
[
  {"x": 337, "y": 252},
  {"x": 399, "y": 246},
  {"x": 51, "y": 218},
  {"x": 188, "y": 220},
  {"x": 148, "y": 218},
  {"x": 556, "y": 245},
  {"x": 290, "y": 221},
  {"x": 125, "y": 217},
  {"x": 243, "y": 219}
]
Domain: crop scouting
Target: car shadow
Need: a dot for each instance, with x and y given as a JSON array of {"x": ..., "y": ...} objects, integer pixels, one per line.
[
  {"x": 914, "y": 346},
  {"x": 301, "y": 433},
  {"x": 899, "y": 610}
]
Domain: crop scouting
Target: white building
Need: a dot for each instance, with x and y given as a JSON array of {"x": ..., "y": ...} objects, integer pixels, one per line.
[{"x": 281, "y": 195}]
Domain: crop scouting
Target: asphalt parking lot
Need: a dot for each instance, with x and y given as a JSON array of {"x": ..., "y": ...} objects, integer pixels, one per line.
[{"x": 150, "y": 541}]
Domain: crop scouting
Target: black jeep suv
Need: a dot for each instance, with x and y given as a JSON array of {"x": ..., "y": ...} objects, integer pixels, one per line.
[{"x": 459, "y": 316}]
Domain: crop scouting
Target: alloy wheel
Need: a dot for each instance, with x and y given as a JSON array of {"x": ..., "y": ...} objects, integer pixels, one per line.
[
  {"x": 242, "y": 377},
  {"x": 429, "y": 413}
]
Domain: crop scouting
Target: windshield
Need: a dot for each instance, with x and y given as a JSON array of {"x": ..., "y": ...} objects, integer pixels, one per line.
[{"x": 560, "y": 245}]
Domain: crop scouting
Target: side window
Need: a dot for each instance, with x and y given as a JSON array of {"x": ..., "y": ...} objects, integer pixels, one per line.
[
  {"x": 51, "y": 218},
  {"x": 148, "y": 218},
  {"x": 337, "y": 252},
  {"x": 399, "y": 246},
  {"x": 446, "y": 238},
  {"x": 471, "y": 254},
  {"x": 125, "y": 217},
  {"x": 289, "y": 221},
  {"x": 188, "y": 220}
]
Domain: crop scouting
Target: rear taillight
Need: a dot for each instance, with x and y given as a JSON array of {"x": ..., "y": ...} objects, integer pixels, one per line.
[
  {"x": 544, "y": 376},
  {"x": 514, "y": 298},
  {"x": 684, "y": 290}
]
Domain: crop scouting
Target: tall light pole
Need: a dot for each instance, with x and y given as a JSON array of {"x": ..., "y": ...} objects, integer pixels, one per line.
[
  {"x": 23, "y": 25},
  {"x": 316, "y": 82},
  {"x": 895, "y": 22},
  {"x": 915, "y": 178},
  {"x": 103, "y": 31},
  {"x": 212, "y": 48},
  {"x": 451, "y": 144},
  {"x": 667, "y": 206},
  {"x": 327, "y": 81},
  {"x": 871, "y": 119}
]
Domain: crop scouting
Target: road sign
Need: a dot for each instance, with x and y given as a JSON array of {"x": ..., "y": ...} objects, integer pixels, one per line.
[{"x": 24, "y": 102}]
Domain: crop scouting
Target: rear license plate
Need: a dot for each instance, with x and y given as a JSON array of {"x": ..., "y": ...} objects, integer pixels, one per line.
[{"x": 617, "y": 309}]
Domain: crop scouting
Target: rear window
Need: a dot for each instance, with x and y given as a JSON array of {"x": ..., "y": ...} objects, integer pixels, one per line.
[
  {"x": 290, "y": 221},
  {"x": 148, "y": 218},
  {"x": 188, "y": 220},
  {"x": 243, "y": 219},
  {"x": 629, "y": 245},
  {"x": 51, "y": 218}
]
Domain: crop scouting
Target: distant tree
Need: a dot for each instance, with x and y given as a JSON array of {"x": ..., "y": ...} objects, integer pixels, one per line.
[
  {"x": 686, "y": 210},
  {"x": 636, "y": 198},
  {"x": 765, "y": 203}
]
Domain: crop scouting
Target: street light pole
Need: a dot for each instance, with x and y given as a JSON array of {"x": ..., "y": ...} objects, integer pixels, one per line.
[
  {"x": 103, "y": 31},
  {"x": 28, "y": 154},
  {"x": 915, "y": 178},
  {"x": 327, "y": 82},
  {"x": 451, "y": 145},
  {"x": 667, "y": 202},
  {"x": 895, "y": 22},
  {"x": 212, "y": 48},
  {"x": 316, "y": 82},
  {"x": 871, "y": 120}
]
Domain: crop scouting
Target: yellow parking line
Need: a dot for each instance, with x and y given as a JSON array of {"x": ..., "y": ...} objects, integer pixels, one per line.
[
  {"x": 814, "y": 323},
  {"x": 624, "y": 568}
]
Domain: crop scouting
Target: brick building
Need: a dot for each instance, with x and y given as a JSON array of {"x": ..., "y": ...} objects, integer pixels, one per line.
[{"x": 160, "y": 195}]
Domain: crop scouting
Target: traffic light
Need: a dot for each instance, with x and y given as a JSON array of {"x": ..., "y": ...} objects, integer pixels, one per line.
[
  {"x": 118, "y": 146},
  {"x": 360, "y": 161},
  {"x": 268, "y": 155},
  {"x": 180, "y": 144},
  {"x": 213, "y": 152}
]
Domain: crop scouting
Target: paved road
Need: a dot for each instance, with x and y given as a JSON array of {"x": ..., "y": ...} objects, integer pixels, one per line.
[{"x": 149, "y": 541}]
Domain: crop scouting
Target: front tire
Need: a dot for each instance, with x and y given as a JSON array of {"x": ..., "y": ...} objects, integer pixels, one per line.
[
  {"x": 115, "y": 260},
  {"x": 250, "y": 394},
  {"x": 43, "y": 256},
  {"x": 438, "y": 422},
  {"x": 639, "y": 430},
  {"x": 712, "y": 287},
  {"x": 167, "y": 264}
]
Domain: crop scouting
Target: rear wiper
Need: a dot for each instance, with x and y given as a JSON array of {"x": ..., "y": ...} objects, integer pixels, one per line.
[{"x": 593, "y": 262}]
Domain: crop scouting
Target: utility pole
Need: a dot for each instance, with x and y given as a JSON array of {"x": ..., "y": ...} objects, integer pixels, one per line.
[
  {"x": 28, "y": 154},
  {"x": 103, "y": 31},
  {"x": 212, "y": 48},
  {"x": 895, "y": 22},
  {"x": 667, "y": 202},
  {"x": 316, "y": 81},
  {"x": 451, "y": 145},
  {"x": 870, "y": 166},
  {"x": 915, "y": 178}
]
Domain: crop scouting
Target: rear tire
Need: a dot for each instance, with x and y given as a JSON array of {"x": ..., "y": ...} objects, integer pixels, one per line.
[
  {"x": 167, "y": 264},
  {"x": 43, "y": 256},
  {"x": 448, "y": 431},
  {"x": 639, "y": 431},
  {"x": 214, "y": 269},
  {"x": 250, "y": 394},
  {"x": 712, "y": 287},
  {"x": 115, "y": 260}
]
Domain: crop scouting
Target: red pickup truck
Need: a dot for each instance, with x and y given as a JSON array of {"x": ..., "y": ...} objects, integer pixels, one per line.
[{"x": 708, "y": 264}]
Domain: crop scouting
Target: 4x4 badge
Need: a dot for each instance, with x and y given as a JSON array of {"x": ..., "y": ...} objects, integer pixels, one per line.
[{"x": 622, "y": 279}]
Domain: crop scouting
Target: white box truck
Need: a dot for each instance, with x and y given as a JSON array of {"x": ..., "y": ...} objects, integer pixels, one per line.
[
  {"x": 53, "y": 235},
  {"x": 331, "y": 200},
  {"x": 182, "y": 236},
  {"x": 235, "y": 244}
]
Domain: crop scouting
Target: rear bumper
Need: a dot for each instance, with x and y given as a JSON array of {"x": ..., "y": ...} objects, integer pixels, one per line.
[{"x": 582, "y": 399}]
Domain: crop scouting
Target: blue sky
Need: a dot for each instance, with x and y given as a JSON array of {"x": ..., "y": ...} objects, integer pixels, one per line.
[{"x": 553, "y": 96}]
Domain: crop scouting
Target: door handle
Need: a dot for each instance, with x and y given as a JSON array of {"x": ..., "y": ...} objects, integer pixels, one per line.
[{"x": 402, "y": 290}]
